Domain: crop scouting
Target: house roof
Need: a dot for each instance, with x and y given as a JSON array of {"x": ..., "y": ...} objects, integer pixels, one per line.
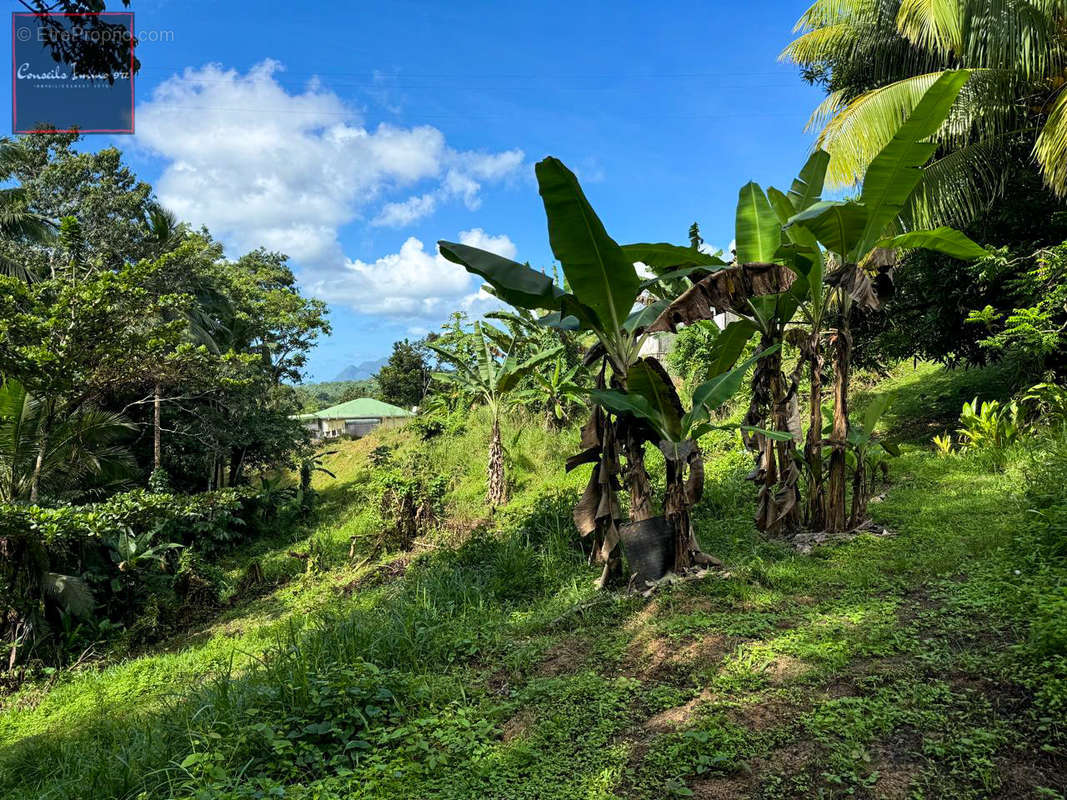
[{"x": 361, "y": 408}]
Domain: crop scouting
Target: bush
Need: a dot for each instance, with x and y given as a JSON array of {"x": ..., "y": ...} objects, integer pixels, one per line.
[
  {"x": 1046, "y": 474},
  {"x": 134, "y": 559}
]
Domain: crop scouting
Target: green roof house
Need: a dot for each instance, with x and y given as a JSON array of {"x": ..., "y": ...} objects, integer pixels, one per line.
[{"x": 355, "y": 418}]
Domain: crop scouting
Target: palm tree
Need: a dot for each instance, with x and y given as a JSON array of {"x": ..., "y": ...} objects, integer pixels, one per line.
[
  {"x": 18, "y": 222},
  {"x": 83, "y": 446},
  {"x": 880, "y": 56},
  {"x": 492, "y": 377}
]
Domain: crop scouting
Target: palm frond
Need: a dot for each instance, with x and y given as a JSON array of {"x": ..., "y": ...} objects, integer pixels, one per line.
[
  {"x": 1019, "y": 35},
  {"x": 857, "y": 131},
  {"x": 932, "y": 24},
  {"x": 961, "y": 184},
  {"x": 1050, "y": 149}
]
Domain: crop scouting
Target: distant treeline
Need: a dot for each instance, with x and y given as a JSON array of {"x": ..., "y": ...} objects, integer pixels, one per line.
[{"x": 317, "y": 396}]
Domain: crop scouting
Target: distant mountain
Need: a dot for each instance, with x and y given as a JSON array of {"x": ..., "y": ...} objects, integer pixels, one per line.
[{"x": 360, "y": 372}]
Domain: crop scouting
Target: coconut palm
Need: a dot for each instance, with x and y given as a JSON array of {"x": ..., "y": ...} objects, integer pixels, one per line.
[
  {"x": 493, "y": 376},
  {"x": 880, "y": 57},
  {"x": 83, "y": 446},
  {"x": 18, "y": 222}
]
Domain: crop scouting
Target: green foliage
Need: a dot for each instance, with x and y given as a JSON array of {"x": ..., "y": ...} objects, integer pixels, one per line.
[
  {"x": 317, "y": 396},
  {"x": 125, "y": 301},
  {"x": 79, "y": 454},
  {"x": 404, "y": 379},
  {"x": 990, "y": 424},
  {"x": 490, "y": 668},
  {"x": 876, "y": 62},
  {"x": 1047, "y": 402},
  {"x": 409, "y": 500},
  {"x": 1031, "y": 335},
  {"x": 124, "y": 552},
  {"x": 495, "y": 372},
  {"x": 942, "y": 444}
]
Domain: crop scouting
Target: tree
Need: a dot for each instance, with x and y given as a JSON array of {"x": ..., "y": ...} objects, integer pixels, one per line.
[
  {"x": 878, "y": 58},
  {"x": 405, "y": 377},
  {"x": 19, "y": 223},
  {"x": 111, "y": 205},
  {"x": 85, "y": 449},
  {"x": 602, "y": 290},
  {"x": 493, "y": 376},
  {"x": 837, "y": 253}
]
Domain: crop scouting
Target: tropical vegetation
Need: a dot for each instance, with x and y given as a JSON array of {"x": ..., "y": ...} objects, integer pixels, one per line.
[{"x": 804, "y": 554}]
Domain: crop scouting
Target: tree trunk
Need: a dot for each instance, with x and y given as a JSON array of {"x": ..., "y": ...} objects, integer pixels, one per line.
[
  {"x": 638, "y": 484},
  {"x": 813, "y": 442},
  {"x": 497, "y": 493},
  {"x": 777, "y": 511},
  {"x": 683, "y": 492},
  {"x": 836, "y": 517},
  {"x": 237, "y": 462},
  {"x": 156, "y": 448},
  {"x": 38, "y": 465}
]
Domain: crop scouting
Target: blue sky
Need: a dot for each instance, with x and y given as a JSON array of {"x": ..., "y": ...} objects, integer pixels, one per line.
[{"x": 354, "y": 137}]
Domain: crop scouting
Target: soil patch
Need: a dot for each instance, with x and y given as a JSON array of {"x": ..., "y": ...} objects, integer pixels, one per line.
[
  {"x": 564, "y": 657},
  {"x": 660, "y": 656},
  {"x": 679, "y": 716},
  {"x": 764, "y": 715},
  {"x": 518, "y": 726}
]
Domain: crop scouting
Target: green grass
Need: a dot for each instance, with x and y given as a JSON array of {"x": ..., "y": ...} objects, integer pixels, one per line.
[{"x": 897, "y": 666}]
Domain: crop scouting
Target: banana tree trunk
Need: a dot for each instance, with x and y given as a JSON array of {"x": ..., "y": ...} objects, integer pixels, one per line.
[
  {"x": 685, "y": 487},
  {"x": 777, "y": 511},
  {"x": 813, "y": 443},
  {"x": 836, "y": 515},
  {"x": 497, "y": 487},
  {"x": 638, "y": 483}
]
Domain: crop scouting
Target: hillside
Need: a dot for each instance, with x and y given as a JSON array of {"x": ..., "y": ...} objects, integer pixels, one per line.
[{"x": 483, "y": 664}]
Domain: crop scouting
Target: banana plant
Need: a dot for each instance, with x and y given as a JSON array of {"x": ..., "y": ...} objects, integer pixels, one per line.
[
  {"x": 762, "y": 290},
  {"x": 866, "y": 455},
  {"x": 492, "y": 378},
  {"x": 601, "y": 298},
  {"x": 858, "y": 237},
  {"x": 652, "y": 399},
  {"x": 827, "y": 257},
  {"x": 557, "y": 389}
]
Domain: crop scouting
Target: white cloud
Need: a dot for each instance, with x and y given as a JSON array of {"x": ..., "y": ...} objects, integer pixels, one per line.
[
  {"x": 413, "y": 283},
  {"x": 501, "y": 245},
  {"x": 260, "y": 165},
  {"x": 397, "y": 215},
  {"x": 458, "y": 182}
]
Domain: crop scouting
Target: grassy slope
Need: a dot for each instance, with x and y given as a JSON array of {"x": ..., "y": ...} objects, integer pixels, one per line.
[{"x": 884, "y": 667}]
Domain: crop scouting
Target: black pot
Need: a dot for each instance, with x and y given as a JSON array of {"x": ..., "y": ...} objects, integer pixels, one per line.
[{"x": 649, "y": 547}]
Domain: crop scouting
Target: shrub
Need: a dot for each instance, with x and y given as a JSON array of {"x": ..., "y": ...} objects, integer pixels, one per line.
[
  {"x": 990, "y": 424},
  {"x": 1046, "y": 475},
  {"x": 119, "y": 559},
  {"x": 410, "y": 502}
]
